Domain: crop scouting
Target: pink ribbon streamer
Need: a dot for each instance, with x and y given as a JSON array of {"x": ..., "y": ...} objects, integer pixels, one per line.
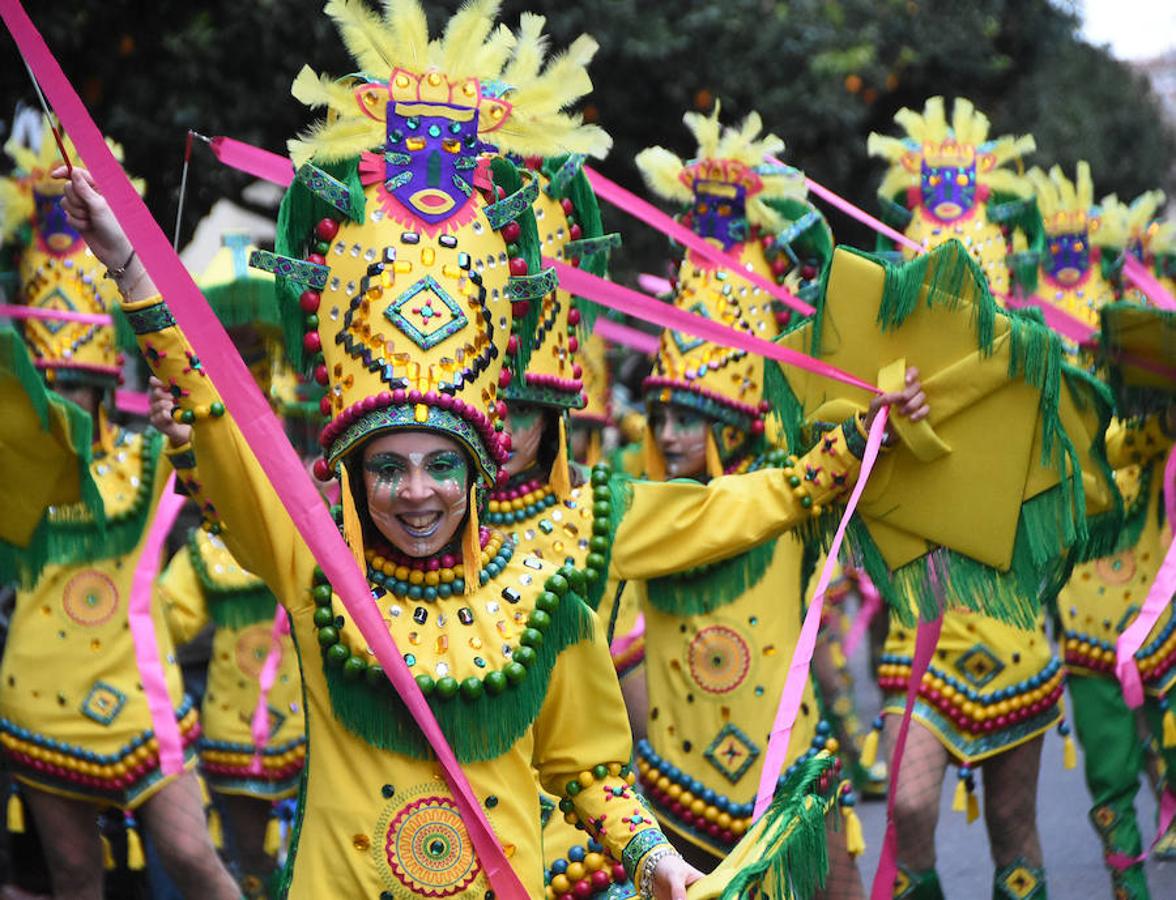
[
  {"x": 1158, "y": 598},
  {"x": 655, "y": 218},
  {"x": 926, "y": 638},
  {"x": 260, "y": 724},
  {"x": 856, "y": 212},
  {"x": 1058, "y": 319},
  {"x": 1121, "y": 861},
  {"x": 15, "y": 311},
  {"x": 654, "y": 284},
  {"x": 633, "y": 338},
  {"x": 253, "y": 160},
  {"x": 621, "y": 644},
  {"x": 871, "y": 604},
  {"x": 259, "y": 427},
  {"x": 802, "y": 656},
  {"x": 1139, "y": 275},
  {"x": 640, "y": 306},
  {"x": 147, "y": 659},
  {"x": 136, "y": 403}
]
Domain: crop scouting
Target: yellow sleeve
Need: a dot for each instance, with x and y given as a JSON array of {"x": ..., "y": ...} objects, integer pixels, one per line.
[
  {"x": 1127, "y": 444},
  {"x": 230, "y": 487},
  {"x": 674, "y": 525},
  {"x": 582, "y": 753},
  {"x": 179, "y": 593}
]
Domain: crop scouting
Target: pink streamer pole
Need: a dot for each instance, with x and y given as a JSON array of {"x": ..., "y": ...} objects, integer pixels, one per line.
[
  {"x": 628, "y": 337},
  {"x": 655, "y": 218},
  {"x": 871, "y": 606},
  {"x": 147, "y": 659},
  {"x": 16, "y": 311},
  {"x": 640, "y": 306},
  {"x": 926, "y": 638},
  {"x": 259, "y": 427},
  {"x": 260, "y": 724},
  {"x": 1137, "y": 273},
  {"x": 1158, "y": 598},
  {"x": 802, "y": 655},
  {"x": 252, "y": 160}
]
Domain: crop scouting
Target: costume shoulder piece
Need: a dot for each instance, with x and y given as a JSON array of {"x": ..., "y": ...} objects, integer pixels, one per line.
[{"x": 236, "y": 598}]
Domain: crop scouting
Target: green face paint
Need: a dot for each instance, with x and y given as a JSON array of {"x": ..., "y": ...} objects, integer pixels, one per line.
[{"x": 448, "y": 468}]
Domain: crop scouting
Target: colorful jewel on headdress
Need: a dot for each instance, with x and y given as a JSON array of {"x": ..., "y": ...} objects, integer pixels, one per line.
[
  {"x": 57, "y": 271},
  {"x": 757, "y": 210}
]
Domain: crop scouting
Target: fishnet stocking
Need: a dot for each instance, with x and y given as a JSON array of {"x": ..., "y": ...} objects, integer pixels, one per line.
[
  {"x": 71, "y": 845},
  {"x": 1010, "y": 803},
  {"x": 247, "y": 818},
  {"x": 916, "y": 803},
  {"x": 174, "y": 818},
  {"x": 844, "y": 881}
]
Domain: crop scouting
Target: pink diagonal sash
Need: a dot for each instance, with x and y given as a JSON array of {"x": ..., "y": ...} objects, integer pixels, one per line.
[
  {"x": 856, "y": 212},
  {"x": 871, "y": 605},
  {"x": 654, "y": 217},
  {"x": 260, "y": 724},
  {"x": 1139, "y": 275},
  {"x": 259, "y": 426},
  {"x": 626, "y": 336},
  {"x": 16, "y": 311},
  {"x": 147, "y": 659},
  {"x": 802, "y": 655}
]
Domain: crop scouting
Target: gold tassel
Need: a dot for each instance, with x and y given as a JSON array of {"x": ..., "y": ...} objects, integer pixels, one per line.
[
  {"x": 595, "y": 448},
  {"x": 352, "y": 529},
  {"x": 471, "y": 545},
  {"x": 870, "y": 749},
  {"x": 215, "y": 829},
  {"x": 16, "y": 820},
  {"x": 973, "y": 807},
  {"x": 105, "y": 432},
  {"x": 1069, "y": 753},
  {"x": 959, "y": 801},
  {"x": 714, "y": 465},
  {"x": 655, "y": 463},
  {"x": 273, "y": 836},
  {"x": 107, "y": 854},
  {"x": 1169, "y": 729},
  {"x": 561, "y": 481},
  {"x": 135, "y": 859},
  {"x": 205, "y": 797},
  {"x": 837, "y": 655},
  {"x": 855, "y": 844}
]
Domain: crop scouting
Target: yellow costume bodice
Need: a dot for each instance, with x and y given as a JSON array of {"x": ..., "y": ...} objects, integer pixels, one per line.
[{"x": 984, "y": 240}]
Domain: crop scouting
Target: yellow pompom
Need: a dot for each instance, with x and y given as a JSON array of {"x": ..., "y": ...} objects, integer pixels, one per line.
[
  {"x": 870, "y": 749},
  {"x": 973, "y": 807},
  {"x": 135, "y": 859},
  {"x": 215, "y": 831},
  {"x": 959, "y": 801},
  {"x": 1169, "y": 729},
  {"x": 16, "y": 822},
  {"x": 855, "y": 844},
  {"x": 1069, "y": 753},
  {"x": 273, "y": 836},
  {"x": 107, "y": 854}
]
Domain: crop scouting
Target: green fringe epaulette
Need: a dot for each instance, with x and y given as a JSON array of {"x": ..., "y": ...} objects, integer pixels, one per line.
[
  {"x": 479, "y": 728},
  {"x": 236, "y": 606}
]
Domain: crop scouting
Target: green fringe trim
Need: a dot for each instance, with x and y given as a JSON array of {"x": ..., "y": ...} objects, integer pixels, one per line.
[
  {"x": 300, "y": 211},
  {"x": 236, "y": 607},
  {"x": 82, "y": 532},
  {"x": 286, "y": 873},
  {"x": 1103, "y": 532},
  {"x": 794, "y": 857},
  {"x": 700, "y": 591},
  {"x": 1132, "y": 401},
  {"x": 477, "y": 730},
  {"x": 787, "y": 410},
  {"x": 507, "y": 176},
  {"x": 15, "y": 364},
  {"x": 246, "y": 301}
]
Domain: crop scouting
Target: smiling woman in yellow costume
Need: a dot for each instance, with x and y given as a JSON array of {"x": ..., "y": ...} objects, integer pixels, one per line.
[
  {"x": 74, "y": 721},
  {"x": 203, "y": 583}
]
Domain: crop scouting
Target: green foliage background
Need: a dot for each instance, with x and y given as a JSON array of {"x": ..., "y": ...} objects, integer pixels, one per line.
[{"x": 823, "y": 73}]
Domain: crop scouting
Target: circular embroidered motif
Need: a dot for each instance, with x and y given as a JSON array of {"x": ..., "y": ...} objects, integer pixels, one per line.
[
  {"x": 719, "y": 659},
  {"x": 1117, "y": 569},
  {"x": 428, "y": 849},
  {"x": 253, "y": 646},
  {"x": 90, "y": 598}
]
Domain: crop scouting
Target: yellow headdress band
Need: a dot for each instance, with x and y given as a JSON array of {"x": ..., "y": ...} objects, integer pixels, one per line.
[
  {"x": 1134, "y": 225},
  {"x": 473, "y": 67},
  {"x": 930, "y": 139}
]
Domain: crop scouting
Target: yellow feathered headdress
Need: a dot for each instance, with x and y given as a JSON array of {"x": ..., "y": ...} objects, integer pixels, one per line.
[
  {"x": 521, "y": 96},
  {"x": 1124, "y": 225},
  {"x": 726, "y": 155},
  {"x": 1066, "y": 206},
  {"x": 963, "y": 142}
]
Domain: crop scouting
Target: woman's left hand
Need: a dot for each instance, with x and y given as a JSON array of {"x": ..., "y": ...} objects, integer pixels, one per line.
[{"x": 672, "y": 876}]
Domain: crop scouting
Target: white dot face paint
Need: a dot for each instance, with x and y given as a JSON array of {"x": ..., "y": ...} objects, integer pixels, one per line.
[
  {"x": 524, "y": 423},
  {"x": 681, "y": 436},
  {"x": 417, "y": 487}
]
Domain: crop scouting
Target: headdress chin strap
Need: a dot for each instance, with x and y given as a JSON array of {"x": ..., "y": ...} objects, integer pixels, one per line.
[
  {"x": 352, "y": 529},
  {"x": 471, "y": 543},
  {"x": 561, "y": 480}
]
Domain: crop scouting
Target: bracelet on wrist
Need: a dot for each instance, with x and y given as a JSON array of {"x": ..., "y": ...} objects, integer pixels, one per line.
[
  {"x": 649, "y": 868},
  {"x": 116, "y": 272}
]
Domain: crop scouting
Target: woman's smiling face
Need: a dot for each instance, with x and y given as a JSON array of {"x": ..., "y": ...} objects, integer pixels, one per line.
[{"x": 417, "y": 486}]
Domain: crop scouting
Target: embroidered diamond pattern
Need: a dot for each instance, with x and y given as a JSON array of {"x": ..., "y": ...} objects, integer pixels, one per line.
[
  {"x": 731, "y": 752},
  {"x": 1021, "y": 882},
  {"x": 686, "y": 343},
  {"x": 426, "y": 314},
  {"x": 58, "y": 302},
  {"x": 979, "y": 665}
]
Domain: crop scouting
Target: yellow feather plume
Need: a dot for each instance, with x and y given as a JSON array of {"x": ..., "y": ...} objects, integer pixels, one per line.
[
  {"x": 660, "y": 168},
  {"x": 318, "y": 91},
  {"x": 332, "y": 140},
  {"x": 706, "y": 131},
  {"x": 530, "y": 50},
  {"x": 16, "y": 208},
  {"x": 406, "y": 19},
  {"x": 366, "y": 39},
  {"x": 464, "y": 36}
]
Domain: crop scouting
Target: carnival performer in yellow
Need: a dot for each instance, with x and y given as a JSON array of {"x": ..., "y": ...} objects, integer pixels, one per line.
[
  {"x": 712, "y": 630},
  {"x": 1133, "y": 228},
  {"x": 204, "y": 583},
  {"x": 75, "y": 724},
  {"x": 951, "y": 181}
]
